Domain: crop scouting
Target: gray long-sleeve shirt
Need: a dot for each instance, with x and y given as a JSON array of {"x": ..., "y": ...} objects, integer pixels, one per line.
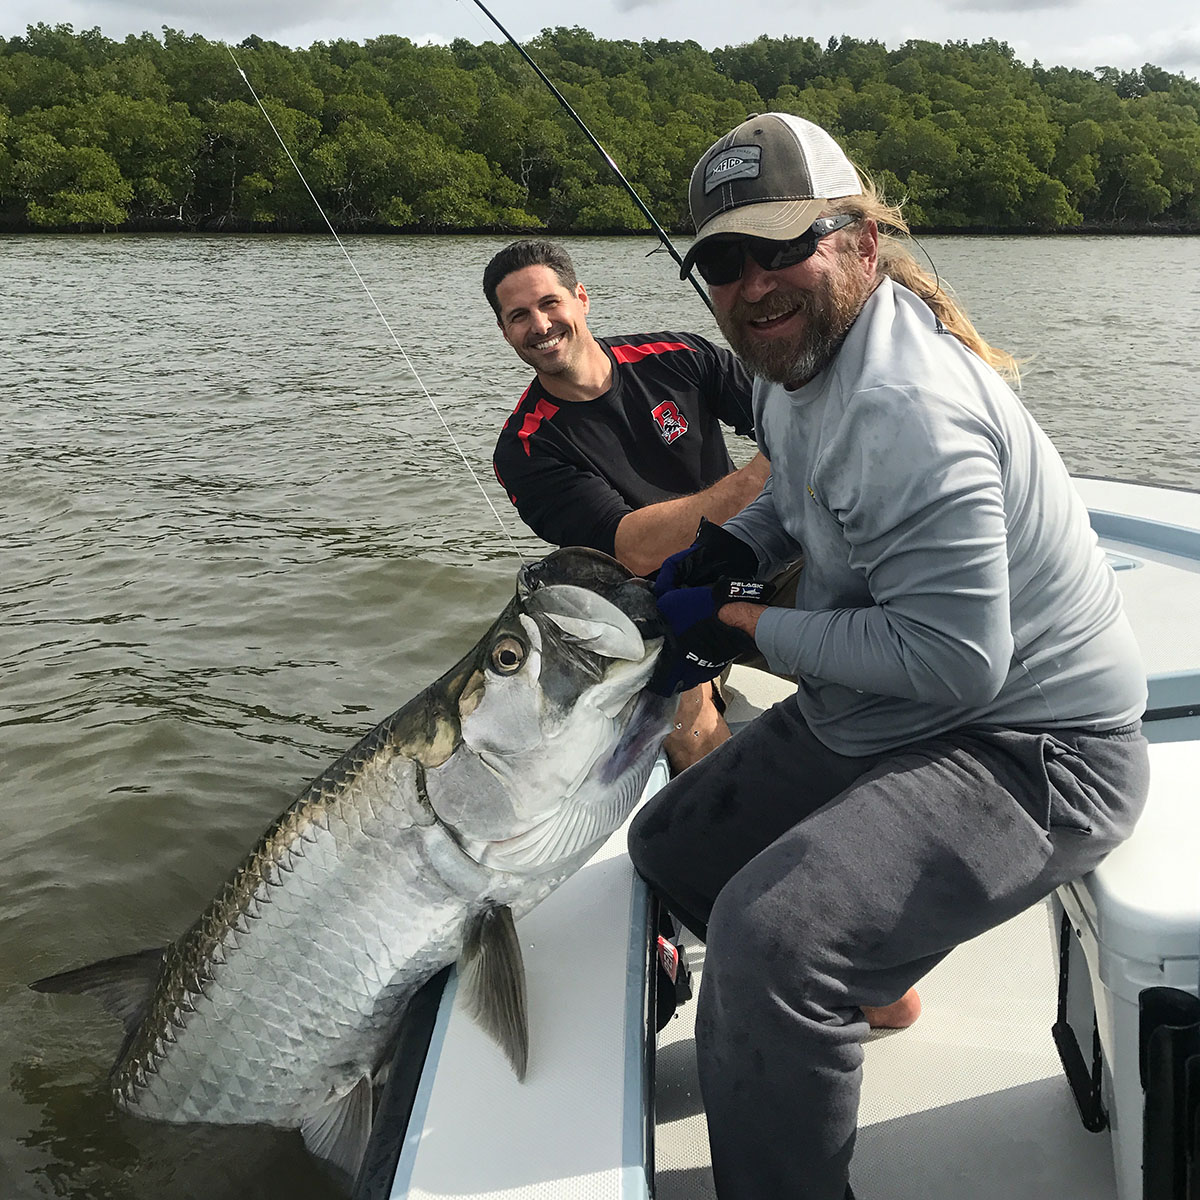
[{"x": 951, "y": 576}]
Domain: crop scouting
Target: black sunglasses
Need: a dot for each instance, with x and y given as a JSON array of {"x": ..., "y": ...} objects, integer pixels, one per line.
[{"x": 721, "y": 260}]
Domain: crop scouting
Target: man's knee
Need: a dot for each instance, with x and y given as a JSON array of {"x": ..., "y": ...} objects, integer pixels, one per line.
[
  {"x": 765, "y": 934},
  {"x": 649, "y": 845}
]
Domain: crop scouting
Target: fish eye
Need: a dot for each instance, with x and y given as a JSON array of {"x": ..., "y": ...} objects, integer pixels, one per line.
[{"x": 508, "y": 655}]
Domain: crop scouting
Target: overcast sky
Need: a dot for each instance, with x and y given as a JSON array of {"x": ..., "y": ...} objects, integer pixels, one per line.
[{"x": 1073, "y": 33}]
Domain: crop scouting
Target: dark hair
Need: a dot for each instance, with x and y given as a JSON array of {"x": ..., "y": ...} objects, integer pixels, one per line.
[{"x": 527, "y": 253}]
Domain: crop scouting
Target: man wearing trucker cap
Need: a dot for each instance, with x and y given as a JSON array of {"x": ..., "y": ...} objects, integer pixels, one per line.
[{"x": 965, "y": 735}]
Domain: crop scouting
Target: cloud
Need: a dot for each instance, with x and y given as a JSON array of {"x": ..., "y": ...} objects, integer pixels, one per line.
[
  {"x": 1179, "y": 53},
  {"x": 272, "y": 14},
  {"x": 1011, "y": 6}
]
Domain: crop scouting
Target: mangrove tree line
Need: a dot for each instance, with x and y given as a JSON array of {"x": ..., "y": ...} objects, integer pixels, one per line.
[{"x": 162, "y": 133}]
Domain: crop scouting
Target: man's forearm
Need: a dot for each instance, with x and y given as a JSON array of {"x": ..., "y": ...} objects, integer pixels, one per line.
[{"x": 648, "y": 535}]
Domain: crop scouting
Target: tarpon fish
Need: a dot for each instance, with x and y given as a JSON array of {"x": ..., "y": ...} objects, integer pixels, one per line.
[{"x": 416, "y": 849}]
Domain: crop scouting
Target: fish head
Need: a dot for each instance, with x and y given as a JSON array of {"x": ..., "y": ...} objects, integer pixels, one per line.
[{"x": 557, "y": 735}]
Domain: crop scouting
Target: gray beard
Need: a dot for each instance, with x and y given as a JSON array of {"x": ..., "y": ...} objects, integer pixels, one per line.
[{"x": 829, "y": 312}]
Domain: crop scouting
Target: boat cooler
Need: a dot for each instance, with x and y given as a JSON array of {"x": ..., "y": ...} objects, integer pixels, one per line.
[{"x": 1128, "y": 1028}]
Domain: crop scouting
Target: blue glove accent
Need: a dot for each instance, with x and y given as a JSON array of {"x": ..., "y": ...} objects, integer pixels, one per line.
[
  {"x": 664, "y": 581},
  {"x": 699, "y": 645},
  {"x": 715, "y": 554},
  {"x": 682, "y": 608}
]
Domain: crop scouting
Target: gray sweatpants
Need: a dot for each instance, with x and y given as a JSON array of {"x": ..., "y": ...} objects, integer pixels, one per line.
[{"x": 822, "y": 883}]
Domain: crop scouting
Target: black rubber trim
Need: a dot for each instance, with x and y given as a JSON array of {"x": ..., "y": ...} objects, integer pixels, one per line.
[
  {"x": 654, "y": 914},
  {"x": 395, "y": 1105},
  {"x": 1083, "y": 1080},
  {"x": 1169, "y": 1057},
  {"x": 1171, "y": 714}
]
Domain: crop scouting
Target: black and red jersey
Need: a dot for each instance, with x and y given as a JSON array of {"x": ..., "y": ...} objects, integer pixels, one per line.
[{"x": 575, "y": 468}]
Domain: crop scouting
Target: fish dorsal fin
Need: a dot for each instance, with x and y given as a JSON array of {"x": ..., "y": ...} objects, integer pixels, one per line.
[
  {"x": 123, "y": 985},
  {"x": 594, "y": 622},
  {"x": 339, "y": 1130},
  {"x": 492, "y": 983}
]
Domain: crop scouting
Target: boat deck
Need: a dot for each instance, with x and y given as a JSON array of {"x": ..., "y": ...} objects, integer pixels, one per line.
[{"x": 970, "y": 1101}]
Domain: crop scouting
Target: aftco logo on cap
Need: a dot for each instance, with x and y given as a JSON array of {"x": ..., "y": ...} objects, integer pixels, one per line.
[{"x": 738, "y": 162}]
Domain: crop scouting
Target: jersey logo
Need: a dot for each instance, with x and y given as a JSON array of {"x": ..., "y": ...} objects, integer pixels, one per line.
[{"x": 672, "y": 423}]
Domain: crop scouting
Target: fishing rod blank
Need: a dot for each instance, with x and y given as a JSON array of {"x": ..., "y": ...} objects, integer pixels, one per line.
[{"x": 662, "y": 234}]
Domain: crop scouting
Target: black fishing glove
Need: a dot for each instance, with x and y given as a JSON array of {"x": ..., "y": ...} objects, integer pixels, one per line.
[
  {"x": 700, "y": 645},
  {"x": 715, "y": 554}
]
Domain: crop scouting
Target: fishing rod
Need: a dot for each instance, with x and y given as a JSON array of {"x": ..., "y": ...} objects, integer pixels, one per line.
[{"x": 662, "y": 234}]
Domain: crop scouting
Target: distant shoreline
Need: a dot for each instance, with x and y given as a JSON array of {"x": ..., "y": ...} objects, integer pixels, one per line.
[
  {"x": 1123, "y": 230},
  {"x": 162, "y": 136}
]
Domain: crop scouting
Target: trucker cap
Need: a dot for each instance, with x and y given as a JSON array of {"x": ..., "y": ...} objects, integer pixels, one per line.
[{"x": 770, "y": 177}]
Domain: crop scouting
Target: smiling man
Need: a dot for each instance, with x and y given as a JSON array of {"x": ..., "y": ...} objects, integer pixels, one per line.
[
  {"x": 617, "y": 441},
  {"x": 966, "y": 732}
]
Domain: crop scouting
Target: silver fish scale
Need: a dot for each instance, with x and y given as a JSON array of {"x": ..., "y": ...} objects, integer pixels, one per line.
[{"x": 360, "y": 908}]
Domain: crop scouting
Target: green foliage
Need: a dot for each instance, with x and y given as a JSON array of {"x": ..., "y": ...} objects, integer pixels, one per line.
[
  {"x": 72, "y": 187},
  {"x": 162, "y": 131}
]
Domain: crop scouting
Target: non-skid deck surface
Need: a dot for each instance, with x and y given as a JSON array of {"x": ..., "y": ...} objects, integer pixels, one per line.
[
  {"x": 573, "y": 1129},
  {"x": 969, "y": 1102}
]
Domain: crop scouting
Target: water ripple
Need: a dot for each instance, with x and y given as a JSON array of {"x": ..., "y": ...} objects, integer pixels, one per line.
[{"x": 233, "y": 536}]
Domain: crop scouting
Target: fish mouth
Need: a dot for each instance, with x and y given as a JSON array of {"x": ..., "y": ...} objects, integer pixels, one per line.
[
  {"x": 592, "y": 570},
  {"x": 647, "y": 722}
]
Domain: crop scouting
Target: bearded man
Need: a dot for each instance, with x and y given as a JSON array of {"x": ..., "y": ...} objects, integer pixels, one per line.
[{"x": 965, "y": 735}]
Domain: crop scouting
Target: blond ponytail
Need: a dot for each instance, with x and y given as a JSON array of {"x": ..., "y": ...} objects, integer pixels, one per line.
[{"x": 897, "y": 262}]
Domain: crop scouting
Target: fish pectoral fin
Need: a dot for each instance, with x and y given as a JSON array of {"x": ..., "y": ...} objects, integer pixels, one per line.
[
  {"x": 123, "y": 985},
  {"x": 492, "y": 983},
  {"x": 339, "y": 1130}
]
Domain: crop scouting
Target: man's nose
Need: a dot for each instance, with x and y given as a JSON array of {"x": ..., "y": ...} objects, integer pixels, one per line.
[
  {"x": 541, "y": 322},
  {"x": 756, "y": 282}
]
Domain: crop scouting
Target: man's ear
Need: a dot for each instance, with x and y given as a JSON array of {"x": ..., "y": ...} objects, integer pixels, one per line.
[
  {"x": 582, "y": 296},
  {"x": 868, "y": 244}
]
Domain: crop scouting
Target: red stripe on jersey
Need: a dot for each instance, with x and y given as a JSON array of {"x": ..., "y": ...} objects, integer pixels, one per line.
[
  {"x": 628, "y": 354},
  {"x": 543, "y": 410},
  {"x": 496, "y": 472}
]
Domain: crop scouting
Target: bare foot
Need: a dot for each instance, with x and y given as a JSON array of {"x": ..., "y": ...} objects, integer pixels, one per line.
[
  {"x": 899, "y": 1015},
  {"x": 699, "y": 728}
]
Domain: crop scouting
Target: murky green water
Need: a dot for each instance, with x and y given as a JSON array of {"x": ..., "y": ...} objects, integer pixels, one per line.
[{"x": 233, "y": 535}]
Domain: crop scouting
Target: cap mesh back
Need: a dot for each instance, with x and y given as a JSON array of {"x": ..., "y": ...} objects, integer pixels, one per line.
[{"x": 831, "y": 172}]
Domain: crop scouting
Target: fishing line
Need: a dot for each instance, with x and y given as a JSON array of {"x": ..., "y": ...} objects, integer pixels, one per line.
[
  {"x": 375, "y": 303},
  {"x": 668, "y": 245},
  {"x": 937, "y": 279}
]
